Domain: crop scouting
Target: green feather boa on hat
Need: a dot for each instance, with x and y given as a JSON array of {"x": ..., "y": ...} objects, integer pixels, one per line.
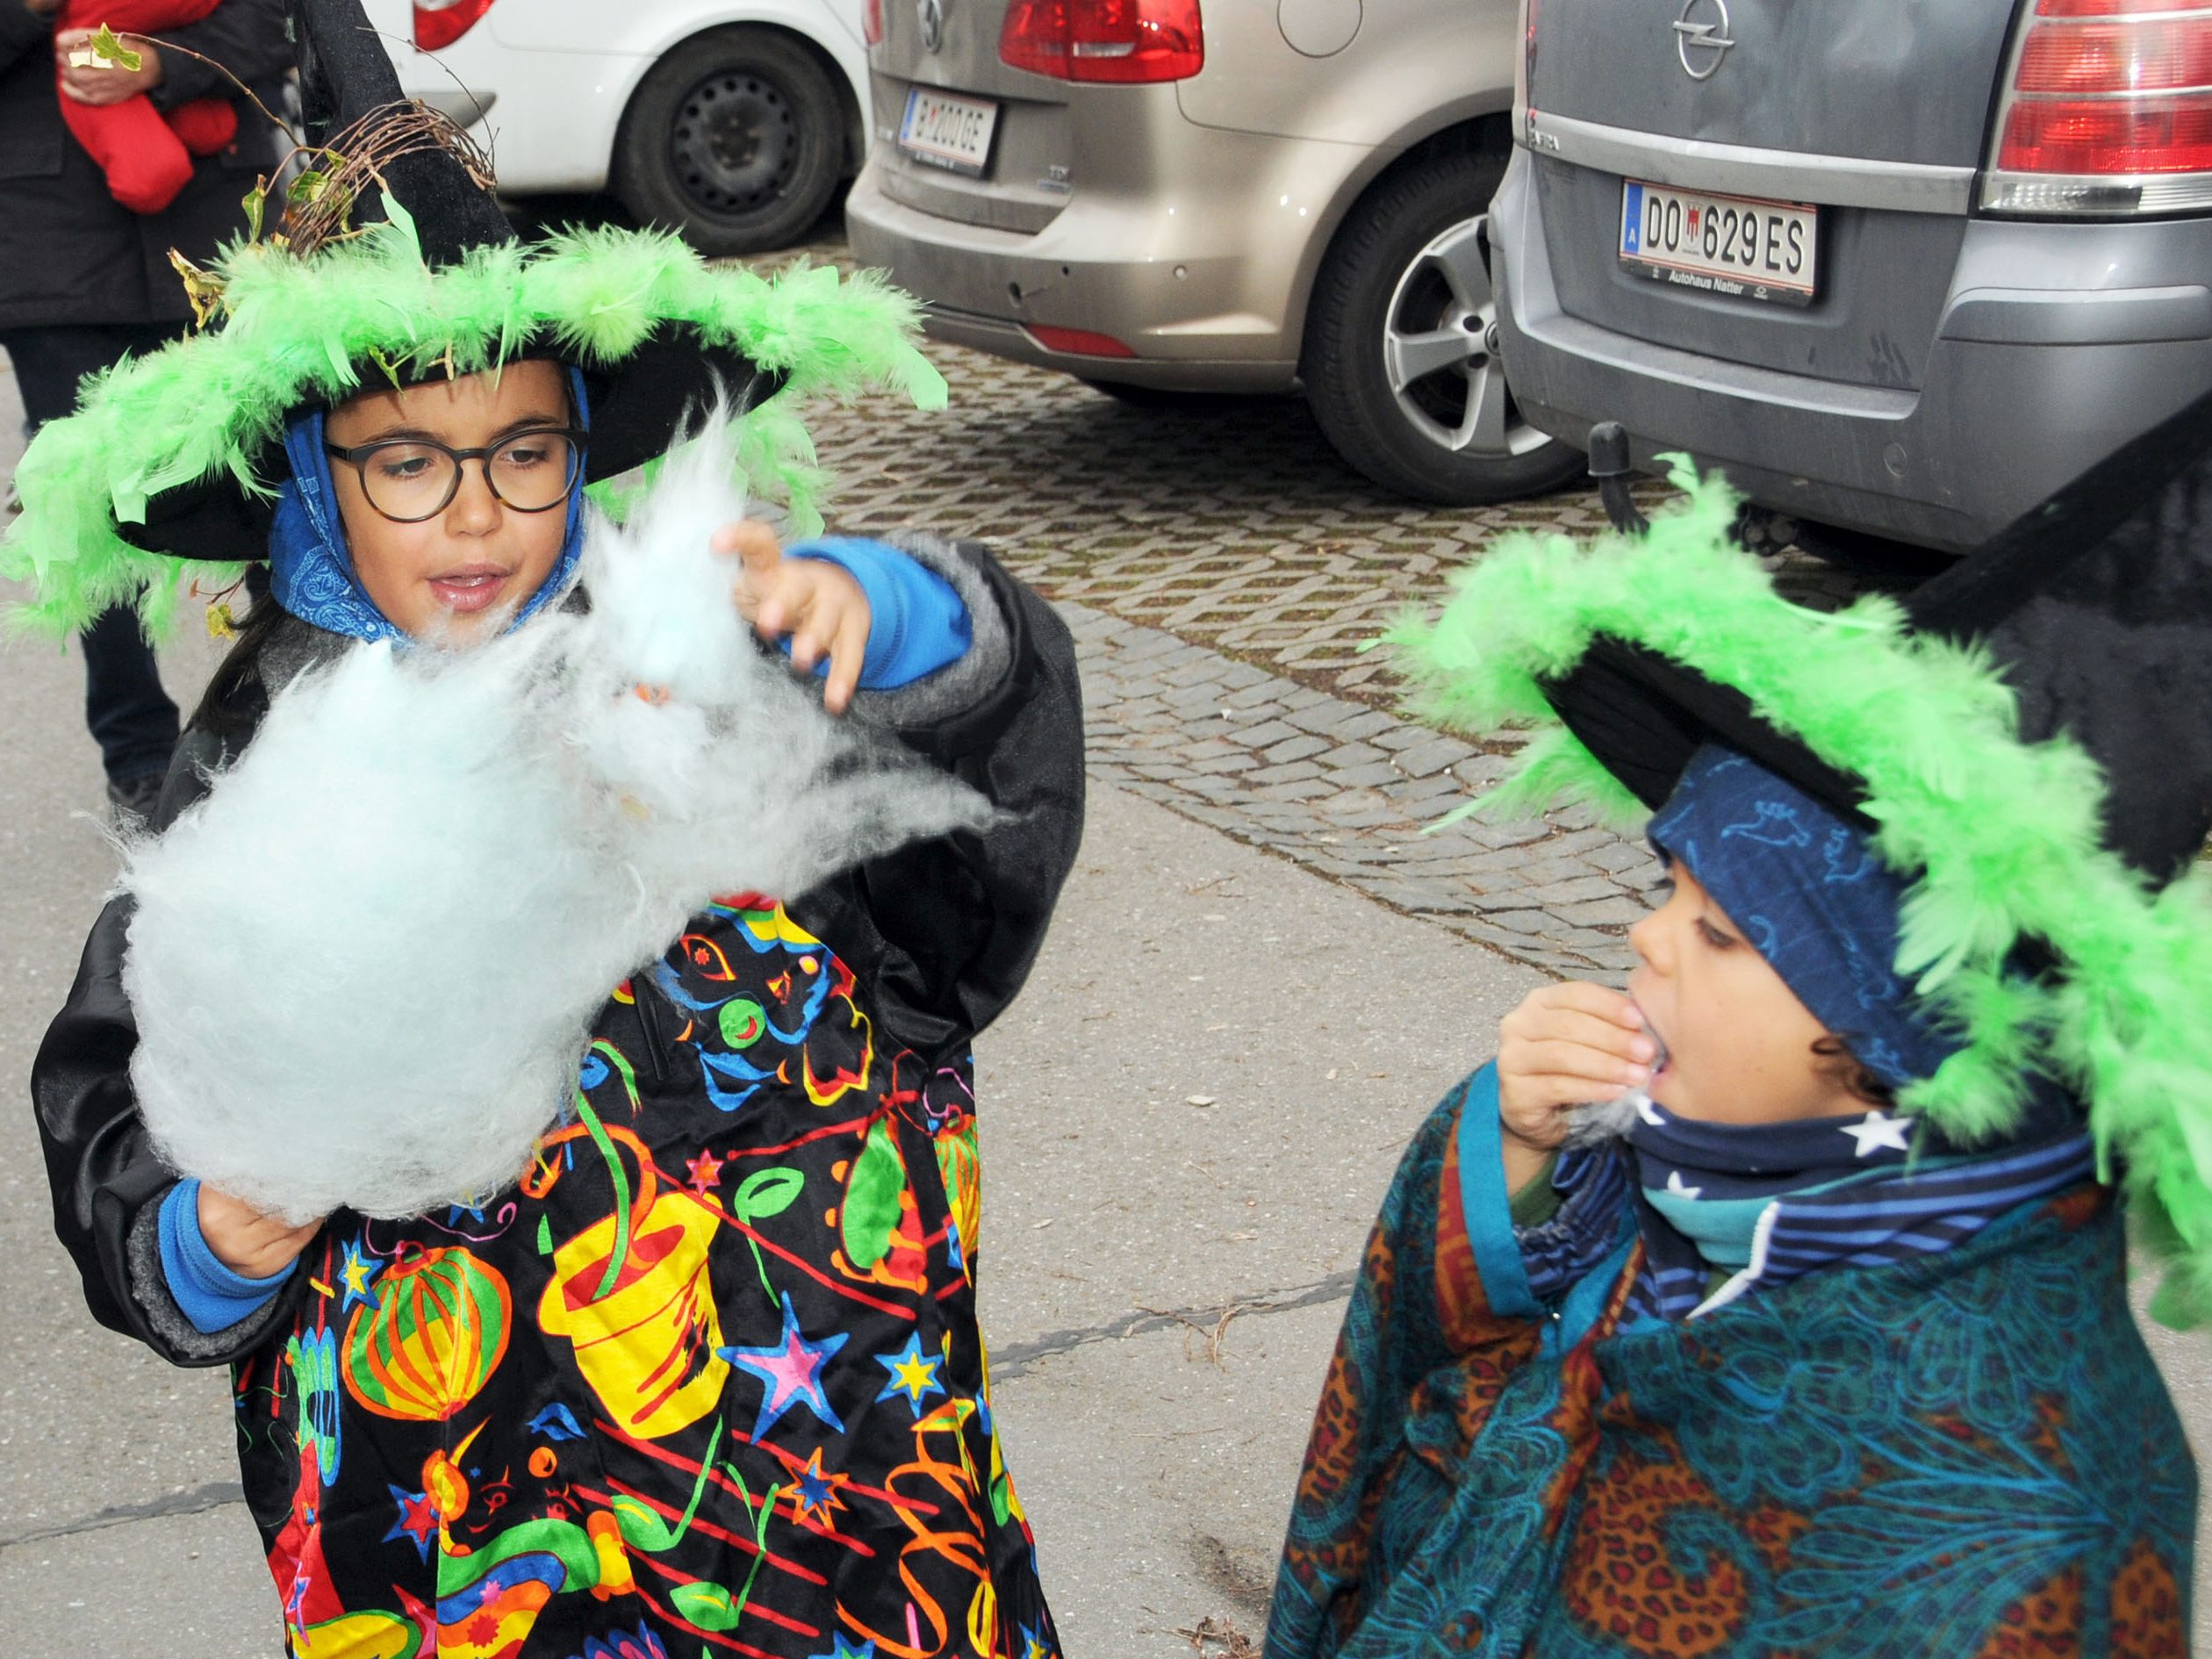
[{"x": 296, "y": 330}]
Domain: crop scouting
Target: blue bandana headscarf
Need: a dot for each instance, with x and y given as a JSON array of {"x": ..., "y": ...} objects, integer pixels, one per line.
[
  {"x": 1812, "y": 899},
  {"x": 310, "y": 571}
]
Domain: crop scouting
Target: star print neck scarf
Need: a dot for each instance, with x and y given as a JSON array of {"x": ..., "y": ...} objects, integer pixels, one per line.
[
  {"x": 1711, "y": 1181},
  {"x": 1764, "y": 1203}
]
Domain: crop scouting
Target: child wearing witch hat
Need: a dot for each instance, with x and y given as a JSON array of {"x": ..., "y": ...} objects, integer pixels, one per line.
[
  {"x": 708, "y": 1376},
  {"x": 1777, "y": 1306}
]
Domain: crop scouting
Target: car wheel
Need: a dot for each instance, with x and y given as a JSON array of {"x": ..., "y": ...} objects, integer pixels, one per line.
[
  {"x": 1401, "y": 360},
  {"x": 736, "y": 138}
]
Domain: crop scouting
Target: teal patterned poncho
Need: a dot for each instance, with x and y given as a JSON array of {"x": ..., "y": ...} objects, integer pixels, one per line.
[{"x": 1963, "y": 1454}]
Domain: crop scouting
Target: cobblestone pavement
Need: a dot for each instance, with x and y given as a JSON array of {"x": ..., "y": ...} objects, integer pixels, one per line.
[
  {"x": 1222, "y": 569},
  {"x": 1355, "y": 793}
]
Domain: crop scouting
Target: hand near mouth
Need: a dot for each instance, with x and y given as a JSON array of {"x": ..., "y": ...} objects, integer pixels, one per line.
[
  {"x": 1565, "y": 1045},
  {"x": 816, "y": 606}
]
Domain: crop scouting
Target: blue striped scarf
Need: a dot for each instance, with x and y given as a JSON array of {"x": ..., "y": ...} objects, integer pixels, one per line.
[{"x": 1713, "y": 1199}]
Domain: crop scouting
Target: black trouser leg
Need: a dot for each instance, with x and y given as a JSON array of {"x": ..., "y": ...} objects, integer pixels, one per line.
[{"x": 130, "y": 716}]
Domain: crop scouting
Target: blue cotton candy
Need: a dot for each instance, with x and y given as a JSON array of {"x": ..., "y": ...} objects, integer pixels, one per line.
[{"x": 363, "y": 968}]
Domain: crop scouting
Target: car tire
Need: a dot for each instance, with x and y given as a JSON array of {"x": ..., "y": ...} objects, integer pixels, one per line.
[
  {"x": 736, "y": 138},
  {"x": 1401, "y": 359}
]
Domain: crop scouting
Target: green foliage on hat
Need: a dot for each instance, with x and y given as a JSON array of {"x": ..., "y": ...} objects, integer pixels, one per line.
[
  {"x": 298, "y": 331},
  {"x": 1999, "y": 836}
]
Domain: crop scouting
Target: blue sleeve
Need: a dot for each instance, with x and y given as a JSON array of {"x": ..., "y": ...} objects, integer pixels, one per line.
[
  {"x": 1591, "y": 1184},
  {"x": 208, "y": 1294},
  {"x": 916, "y": 623}
]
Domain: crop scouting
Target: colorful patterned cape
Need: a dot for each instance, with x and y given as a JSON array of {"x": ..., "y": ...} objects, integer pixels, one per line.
[
  {"x": 1967, "y": 1454},
  {"x": 709, "y": 1380},
  {"x": 706, "y": 1379}
]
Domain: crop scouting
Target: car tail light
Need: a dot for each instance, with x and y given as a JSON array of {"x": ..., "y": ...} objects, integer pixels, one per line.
[
  {"x": 872, "y": 21},
  {"x": 439, "y": 23},
  {"x": 2108, "y": 111},
  {"x": 1077, "y": 343},
  {"x": 1121, "y": 40}
]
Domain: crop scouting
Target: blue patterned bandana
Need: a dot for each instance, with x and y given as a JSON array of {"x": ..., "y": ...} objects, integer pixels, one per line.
[
  {"x": 1812, "y": 899},
  {"x": 310, "y": 571}
]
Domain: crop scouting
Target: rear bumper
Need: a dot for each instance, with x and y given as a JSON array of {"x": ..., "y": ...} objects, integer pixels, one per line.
[
  {"x": 2024, "y": 387},
  {"x": 1193, "y": 275}
]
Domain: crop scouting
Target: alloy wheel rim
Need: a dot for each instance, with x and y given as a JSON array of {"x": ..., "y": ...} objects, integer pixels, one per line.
[
  {"x": 1440, "y": 351},
  {"x": 734, "y": 143}
]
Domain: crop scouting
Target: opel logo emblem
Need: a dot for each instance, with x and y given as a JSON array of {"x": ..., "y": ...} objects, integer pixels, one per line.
[
  {"x": 930, "y": 15},
  {"x": 1700, "y": 42}
]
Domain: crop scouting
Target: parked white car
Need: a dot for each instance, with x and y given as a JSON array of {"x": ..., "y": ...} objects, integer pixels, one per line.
[{"x": 731, "y": 120}]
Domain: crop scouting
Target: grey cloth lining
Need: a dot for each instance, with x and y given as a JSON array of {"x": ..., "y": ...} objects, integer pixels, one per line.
[
  {"x": 957, "y": 686},
  {"x": 150, "y": 1289}
]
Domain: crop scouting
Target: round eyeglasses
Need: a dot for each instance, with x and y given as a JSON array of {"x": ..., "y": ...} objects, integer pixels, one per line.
[{"x": 410, "y": 480}]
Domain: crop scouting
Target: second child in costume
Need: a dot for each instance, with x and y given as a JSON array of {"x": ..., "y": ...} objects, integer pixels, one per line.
[
  {"x": 1816, "y": 1338},
  {"x": 707, "y": 1375}
]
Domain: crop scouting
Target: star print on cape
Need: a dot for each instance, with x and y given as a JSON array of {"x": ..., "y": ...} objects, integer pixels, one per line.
[
  {"x": 914, "y": 1374},
  {"x": 418, "y": 1521},
  {"x": 353, "y": 1275},
  {"x": 840, "y": 1649},
  {"x": 815, "y": 1492},
  {"x": 790, "y": 1373},
  {"x": 706, "y": 1172},
  {"x": 1878, "y": 1131}
]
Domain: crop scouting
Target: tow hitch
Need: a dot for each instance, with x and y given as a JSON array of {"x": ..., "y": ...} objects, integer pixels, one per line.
[{"x": 1609, "y": 468}]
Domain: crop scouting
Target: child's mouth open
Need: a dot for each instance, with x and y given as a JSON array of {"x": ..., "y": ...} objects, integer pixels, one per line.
[
  {"x": 1658, "y": 1061},
  {"x": 469, "y": 588}
]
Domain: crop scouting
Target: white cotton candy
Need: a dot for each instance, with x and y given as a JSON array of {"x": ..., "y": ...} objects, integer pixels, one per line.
[{"x": 365, "y": 968}]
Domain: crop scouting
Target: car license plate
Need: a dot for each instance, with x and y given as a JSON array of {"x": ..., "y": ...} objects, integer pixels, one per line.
[
  {"x": 1723, "y": 244},
  {"x": 948, "y": 132}
]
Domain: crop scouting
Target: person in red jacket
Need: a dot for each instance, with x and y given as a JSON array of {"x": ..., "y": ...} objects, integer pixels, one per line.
[
  {"x": 147, "y": 152},
  {"x": 86, "y": 282}
]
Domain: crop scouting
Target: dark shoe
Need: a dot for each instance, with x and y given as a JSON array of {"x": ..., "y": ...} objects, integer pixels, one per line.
[{"x": 134, "y": 799}]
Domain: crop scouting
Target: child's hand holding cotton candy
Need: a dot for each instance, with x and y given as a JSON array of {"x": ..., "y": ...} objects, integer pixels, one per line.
[
  {"x": 250, "y": 1242},
  {"x": 819, "y": 608}
]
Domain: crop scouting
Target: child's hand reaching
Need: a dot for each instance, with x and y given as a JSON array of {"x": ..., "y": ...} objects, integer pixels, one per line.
[
  {"x": 1565, "y": 1045},
  {"x": 818, "y": 605},
  {"x": 247, "y": 1241}
]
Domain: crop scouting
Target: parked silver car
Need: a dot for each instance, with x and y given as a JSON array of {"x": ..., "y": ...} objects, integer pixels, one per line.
[
  {"x": 1274, "y": 194},
  {"x": 1896, "y": 267}
]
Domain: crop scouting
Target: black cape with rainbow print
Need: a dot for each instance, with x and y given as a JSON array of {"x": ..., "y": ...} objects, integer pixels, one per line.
[{"x": 708, "y": 1377}]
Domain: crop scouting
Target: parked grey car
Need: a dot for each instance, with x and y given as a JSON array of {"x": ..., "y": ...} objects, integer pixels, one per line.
[
  {"x": 1273, "y": 194},
  {"x": 1896, "y": 266}
]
